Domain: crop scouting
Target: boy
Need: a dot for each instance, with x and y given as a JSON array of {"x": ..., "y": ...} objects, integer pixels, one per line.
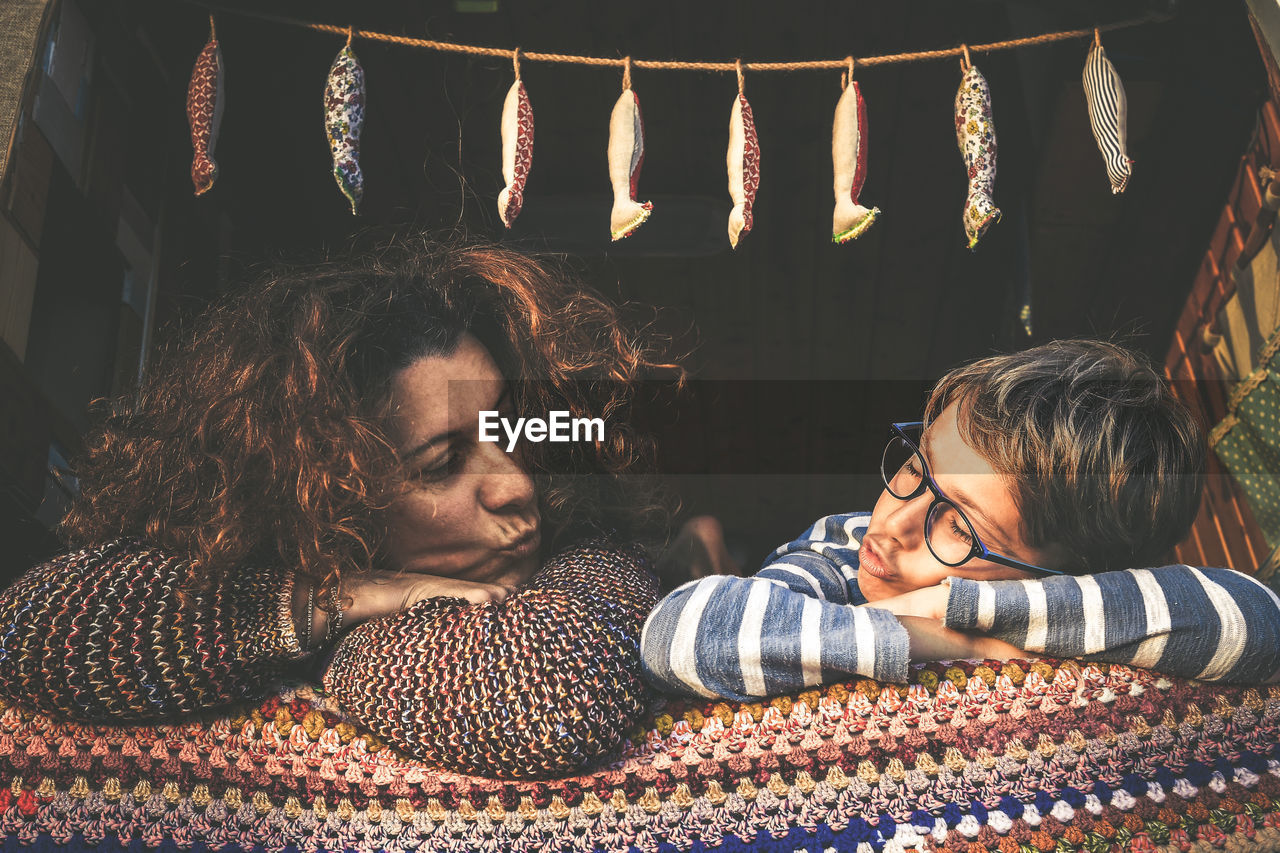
[{"x": 1030, "y": 471}]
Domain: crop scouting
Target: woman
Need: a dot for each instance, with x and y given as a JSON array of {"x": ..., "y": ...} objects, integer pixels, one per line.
[{"x": 307, "y": 462}]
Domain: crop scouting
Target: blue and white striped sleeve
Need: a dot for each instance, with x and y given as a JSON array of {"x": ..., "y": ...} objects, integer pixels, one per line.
[
  {"x": 1210, "y": 624},
  {"x": 791, "y": 626}
]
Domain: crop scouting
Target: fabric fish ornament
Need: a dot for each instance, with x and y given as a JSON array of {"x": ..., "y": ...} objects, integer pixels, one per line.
[
  {"x": 204, "y": 112},
  {"x": 626, "y": 155},
  {"x": 976, "y": 135},
  {"x": 1108, "y": 115},
  {"x": 517, "y": 150},
  {"x": 744, "y": 167},
  {"x": 849, "y": 163},
  {"x": 343, "y": 120}
]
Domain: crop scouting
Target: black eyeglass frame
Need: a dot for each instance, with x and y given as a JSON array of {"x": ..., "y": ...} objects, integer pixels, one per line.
[{"x": 978, "y": 550}]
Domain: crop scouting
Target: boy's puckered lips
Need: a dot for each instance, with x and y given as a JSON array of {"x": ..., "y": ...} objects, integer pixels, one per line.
[{"x": 869, "y": 559}]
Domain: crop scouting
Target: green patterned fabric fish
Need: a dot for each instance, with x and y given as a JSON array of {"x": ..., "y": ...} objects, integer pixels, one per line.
[{"x": 343, "y": 120}]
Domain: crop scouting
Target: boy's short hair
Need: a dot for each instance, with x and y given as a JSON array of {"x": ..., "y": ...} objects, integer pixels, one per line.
[{"x": 1104, "y": 460}]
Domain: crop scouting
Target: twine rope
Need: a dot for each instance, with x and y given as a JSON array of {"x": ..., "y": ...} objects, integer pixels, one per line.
[{"x": 626, "y": 63}]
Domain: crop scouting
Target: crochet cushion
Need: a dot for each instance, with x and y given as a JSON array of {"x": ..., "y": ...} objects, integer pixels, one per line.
[{"x": 1023, "y": 756}]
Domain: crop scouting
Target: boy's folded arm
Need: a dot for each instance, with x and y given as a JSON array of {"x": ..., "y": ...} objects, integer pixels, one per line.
[
  {"x": 745, "y": 638},
  {"x": 1210, "y": 624}
]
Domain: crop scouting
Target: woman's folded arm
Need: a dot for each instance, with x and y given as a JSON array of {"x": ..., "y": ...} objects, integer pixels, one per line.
[
  {"x": 102, "y": 635},
  {"x": 546, "y": 682}
]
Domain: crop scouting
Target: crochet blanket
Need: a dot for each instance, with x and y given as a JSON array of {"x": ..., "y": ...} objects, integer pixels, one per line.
[{"x": 1020, "y": 756}]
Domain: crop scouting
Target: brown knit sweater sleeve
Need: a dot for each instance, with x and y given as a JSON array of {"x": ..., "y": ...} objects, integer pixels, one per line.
[
  {"x": 546, "y": 682},
  {"x": 101, "y": 635}
]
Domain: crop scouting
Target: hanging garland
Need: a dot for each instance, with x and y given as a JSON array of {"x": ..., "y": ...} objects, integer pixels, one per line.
[{"x": 344, "y": 101}]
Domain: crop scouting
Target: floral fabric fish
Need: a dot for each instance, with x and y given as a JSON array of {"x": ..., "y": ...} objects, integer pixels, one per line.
[
  {"x": 976, "y": 135},
  {"x": 343, "y": 120}
]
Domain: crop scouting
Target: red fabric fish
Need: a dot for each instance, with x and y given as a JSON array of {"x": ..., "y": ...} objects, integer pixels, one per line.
[
  {"x": 204, "y": 112},
  {"x": 744, "y": 168},
  {"x": 517, "y": 151}
]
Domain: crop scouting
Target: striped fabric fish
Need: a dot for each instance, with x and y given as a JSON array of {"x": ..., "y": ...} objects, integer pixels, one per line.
[
  {"x": 744, "y": 168},
  {"x": 517, "y": 151},
  {"x": 343, "y": 120},
  {"x": 976, "y": 135},
  {"x": 204, "y": 112},
  {"x": 849, "y": 162},
  {"x": 1108, "y": 115},
  {"x": 626, "y": 155}
]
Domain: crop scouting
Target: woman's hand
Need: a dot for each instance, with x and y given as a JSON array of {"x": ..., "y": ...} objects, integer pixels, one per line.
[{"x": 379, "y": 593}]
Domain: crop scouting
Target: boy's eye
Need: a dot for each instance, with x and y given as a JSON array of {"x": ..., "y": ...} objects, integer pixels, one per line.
[{"x": 961, "y": 533}]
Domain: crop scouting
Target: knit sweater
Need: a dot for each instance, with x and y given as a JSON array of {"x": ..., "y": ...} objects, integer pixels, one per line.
[
  {"x": 802, "y": 620},
  {"x": 544, "y": 682}
]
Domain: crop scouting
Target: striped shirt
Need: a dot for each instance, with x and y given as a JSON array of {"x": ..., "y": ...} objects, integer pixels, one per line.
[{"x": 797, "y": 622}]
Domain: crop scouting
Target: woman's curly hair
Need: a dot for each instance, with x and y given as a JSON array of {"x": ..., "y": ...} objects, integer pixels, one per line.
[{"x": 260, "y": 435}]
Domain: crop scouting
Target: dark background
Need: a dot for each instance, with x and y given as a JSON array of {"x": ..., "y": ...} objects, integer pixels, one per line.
[{"x": 807, "y": 349}]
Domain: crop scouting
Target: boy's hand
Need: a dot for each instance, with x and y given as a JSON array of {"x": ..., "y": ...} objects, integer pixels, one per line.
[
  {"x": 929, "y": 602},
  {"x": 931, "y": 640}
]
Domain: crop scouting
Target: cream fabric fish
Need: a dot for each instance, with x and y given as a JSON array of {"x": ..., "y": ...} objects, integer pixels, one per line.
[
  {"x": 626, "y": 156},
  {"x": 849, "y": 164}
]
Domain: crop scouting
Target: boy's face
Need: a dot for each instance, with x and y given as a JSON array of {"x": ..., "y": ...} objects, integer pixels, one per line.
[{"x": 894, "y": 557}]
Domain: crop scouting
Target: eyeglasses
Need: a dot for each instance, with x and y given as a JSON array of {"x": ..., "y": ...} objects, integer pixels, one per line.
[{"x": 947, "y": 531}]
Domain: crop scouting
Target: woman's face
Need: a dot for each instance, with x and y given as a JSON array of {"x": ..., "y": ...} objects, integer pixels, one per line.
[
  {"x": 471, "y": 511},
  {"x": 894, "y": 557}
]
